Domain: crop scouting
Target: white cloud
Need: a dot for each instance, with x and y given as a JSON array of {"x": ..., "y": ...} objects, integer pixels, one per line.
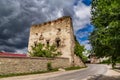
[
  {"x": 82, "y": 34},
  {"x": 21, "y": 51},
  {"x": 45, "y": 10},
  {"x": 82, "y": 16},
  {"x": 86, "y": 44}
]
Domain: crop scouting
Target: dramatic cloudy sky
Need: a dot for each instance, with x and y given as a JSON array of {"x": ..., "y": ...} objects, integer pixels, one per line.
[{"x": 16, "y": 17}]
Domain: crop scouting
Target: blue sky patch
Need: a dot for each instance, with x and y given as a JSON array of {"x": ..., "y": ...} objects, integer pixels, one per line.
[
  {"x": 83, "y": 34},
  {"x": 87, "y": 2}
]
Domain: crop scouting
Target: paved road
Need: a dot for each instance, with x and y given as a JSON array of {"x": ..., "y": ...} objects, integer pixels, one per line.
[{"x": 92, "y": 70}]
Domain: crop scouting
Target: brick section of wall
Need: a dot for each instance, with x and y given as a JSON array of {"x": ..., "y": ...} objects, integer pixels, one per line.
[{"x": 10, "y": 65}]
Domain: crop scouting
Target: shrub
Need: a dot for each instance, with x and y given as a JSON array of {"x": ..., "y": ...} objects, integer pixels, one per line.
[
  {"x": 41, "y": 50},
  {"x": 49, "y": 66},
  {"x": 105, "y": 61},
  {"x": 73, "y": 68},
  {"x": 78, "y": 50}
]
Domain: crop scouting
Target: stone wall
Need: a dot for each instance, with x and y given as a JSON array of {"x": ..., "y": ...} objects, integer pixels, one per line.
[
  {"x": 10, "y": 65},
  {"x": 78, "y": 61}
]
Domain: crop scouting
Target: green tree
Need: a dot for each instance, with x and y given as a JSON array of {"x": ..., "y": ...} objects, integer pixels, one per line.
[
  {"x": 78, "y": 50},
  {"x": 41, "y": 50},
  {"x": 105, "y": 39}
]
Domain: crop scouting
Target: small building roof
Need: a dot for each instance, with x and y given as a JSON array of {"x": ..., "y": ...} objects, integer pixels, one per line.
[{"x": 7, "y": 54}]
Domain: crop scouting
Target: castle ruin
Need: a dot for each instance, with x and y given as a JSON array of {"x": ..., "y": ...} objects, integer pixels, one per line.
[{"x": 58, "y": 32}]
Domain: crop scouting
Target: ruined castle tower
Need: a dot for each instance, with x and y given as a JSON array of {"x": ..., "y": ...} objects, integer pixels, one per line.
[{"x": 58, "y": 32}]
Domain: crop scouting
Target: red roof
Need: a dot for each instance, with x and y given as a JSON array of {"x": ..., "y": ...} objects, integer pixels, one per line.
[{"x": 6, "y": 54}]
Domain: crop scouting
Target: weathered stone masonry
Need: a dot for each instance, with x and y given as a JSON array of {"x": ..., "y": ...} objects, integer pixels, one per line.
[
  {"x": 58, "y": 32},
  {"x": 15, "y": 65}
]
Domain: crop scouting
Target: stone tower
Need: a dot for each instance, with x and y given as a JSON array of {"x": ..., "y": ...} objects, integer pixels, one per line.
[{"x": 58, "y": 32}]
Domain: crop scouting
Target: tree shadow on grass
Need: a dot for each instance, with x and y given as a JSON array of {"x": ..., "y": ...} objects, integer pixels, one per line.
[{"x": 102, "y": 77}]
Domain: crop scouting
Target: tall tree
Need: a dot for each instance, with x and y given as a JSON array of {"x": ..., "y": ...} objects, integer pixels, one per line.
[
  {"x": 105, "y": 39},
  {"x": 78, "y": 50}
]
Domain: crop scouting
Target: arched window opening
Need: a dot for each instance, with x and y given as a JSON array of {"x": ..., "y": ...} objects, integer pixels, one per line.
[
  {"x": 41, "y": 37},
  {"x": 47, "y": 42},
  {"x": 35, "y": 43},
  {"x": 59, "y": 29},
  {"x": 57, "y": 42},
  {"x": 36, "y": 33}
]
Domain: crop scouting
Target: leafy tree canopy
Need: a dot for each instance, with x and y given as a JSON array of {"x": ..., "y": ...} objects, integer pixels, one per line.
[
  {"x": 78, "y": 50},
  {"x": 105, "y": 39}
]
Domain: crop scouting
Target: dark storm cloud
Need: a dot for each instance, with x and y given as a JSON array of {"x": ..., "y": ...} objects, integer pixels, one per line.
[
  {"x": 14, "y": 26},
  {"x": 16, "y": 17}
]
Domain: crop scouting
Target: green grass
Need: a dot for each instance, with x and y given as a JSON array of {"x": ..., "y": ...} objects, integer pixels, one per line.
[{"x": 74, "y": 68}]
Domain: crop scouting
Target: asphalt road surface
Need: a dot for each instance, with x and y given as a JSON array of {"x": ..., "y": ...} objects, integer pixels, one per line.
[{"x": 92, "y": 70}]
